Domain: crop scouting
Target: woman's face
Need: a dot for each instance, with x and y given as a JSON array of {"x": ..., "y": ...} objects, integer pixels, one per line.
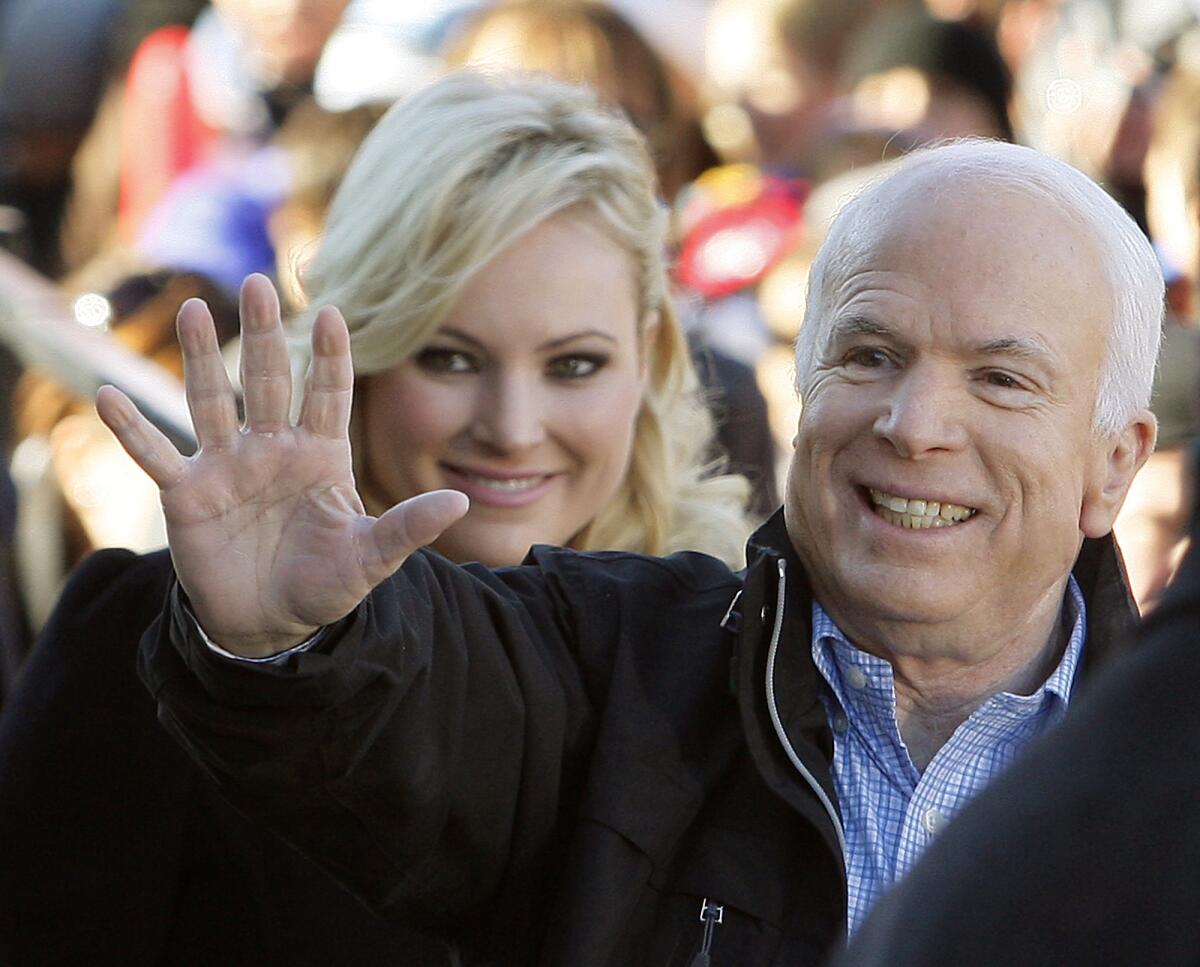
[{"x": 525, "y": 399}]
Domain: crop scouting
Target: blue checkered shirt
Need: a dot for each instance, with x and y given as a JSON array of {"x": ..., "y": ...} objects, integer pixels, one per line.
[{"x": 890, "y": 811}]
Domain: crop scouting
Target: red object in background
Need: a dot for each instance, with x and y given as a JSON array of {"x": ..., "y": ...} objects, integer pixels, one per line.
[
  {"x": 734, "y": 247},
  {"x": 161, "y": 134}
]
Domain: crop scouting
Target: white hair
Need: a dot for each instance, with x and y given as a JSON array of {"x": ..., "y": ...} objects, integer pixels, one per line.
[{"x": 1128, "y": 259}]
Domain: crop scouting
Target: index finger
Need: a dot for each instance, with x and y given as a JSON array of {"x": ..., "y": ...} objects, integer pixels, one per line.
[{"x": 141, "y": 439}]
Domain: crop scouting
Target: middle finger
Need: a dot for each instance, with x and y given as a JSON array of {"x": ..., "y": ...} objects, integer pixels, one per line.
[{"x": 265, "y": 367}]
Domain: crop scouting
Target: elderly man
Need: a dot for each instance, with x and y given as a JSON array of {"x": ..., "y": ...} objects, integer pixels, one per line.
[
  {"x": 603, "y": 759},
  {"x": 1056, "y": 865}
]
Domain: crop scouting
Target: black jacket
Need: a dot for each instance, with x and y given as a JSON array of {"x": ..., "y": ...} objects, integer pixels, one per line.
[
  {"x": 559, "y": 763},
  {"x": 1088, "y": 850},
  {"x": 115, "y": 849}
]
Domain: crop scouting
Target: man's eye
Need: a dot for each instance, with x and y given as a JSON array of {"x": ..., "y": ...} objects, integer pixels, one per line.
[
  {"x": 867, "y": 357},
  {"x": 575, "y": 367},
  {"x": 435, "y": 360},
  {"x": 1001, "y": 379}
]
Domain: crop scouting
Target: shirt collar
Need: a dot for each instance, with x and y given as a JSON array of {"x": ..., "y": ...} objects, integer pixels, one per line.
[{"x": 840, "y": 663}]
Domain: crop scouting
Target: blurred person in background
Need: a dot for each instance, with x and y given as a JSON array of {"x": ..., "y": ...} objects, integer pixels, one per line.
[
  {"x": 192, "y": 89},
  {"x": 316, "y": 146},
  {"x": 264, "y": 214},
  {"x": 242, "y": 68},
  {"x": 1153, "y": 524},
  {"x": 53, "y": 63},
  {"x": 499, "y": 249},
  {"x": 926, "y": 79},
  {"x": 592, "y": 44},
  {"x": 777, "y": 72},
  {"x": 72, "y": 496},
  {"x": 239, "y": 70}
]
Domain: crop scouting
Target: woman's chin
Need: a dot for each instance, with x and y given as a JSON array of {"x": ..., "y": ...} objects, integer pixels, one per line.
[{"x": 464, "y": 543}]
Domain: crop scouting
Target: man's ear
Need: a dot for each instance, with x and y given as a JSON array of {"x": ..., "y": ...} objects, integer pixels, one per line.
[{"x": 1121, "y": 457}]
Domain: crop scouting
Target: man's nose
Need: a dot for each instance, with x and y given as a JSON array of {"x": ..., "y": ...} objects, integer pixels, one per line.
[
  {"x": 924, "y": 413},
  {"x": 511, "y": 414}
]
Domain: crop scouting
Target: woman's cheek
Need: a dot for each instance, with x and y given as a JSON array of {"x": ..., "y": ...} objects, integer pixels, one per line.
[{"x": 609, "y": 414}]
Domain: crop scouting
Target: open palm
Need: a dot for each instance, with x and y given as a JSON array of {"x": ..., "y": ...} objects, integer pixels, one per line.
[{"x": 267, "y": 532}]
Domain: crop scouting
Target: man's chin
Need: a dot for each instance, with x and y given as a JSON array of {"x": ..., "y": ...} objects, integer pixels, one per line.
[{"x": 889, "y": 598}]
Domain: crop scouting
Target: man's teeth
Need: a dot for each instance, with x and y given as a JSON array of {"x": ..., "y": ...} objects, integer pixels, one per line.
[
  {"x": 511, "y": 485},
  {"x": 917, "y": 514}
]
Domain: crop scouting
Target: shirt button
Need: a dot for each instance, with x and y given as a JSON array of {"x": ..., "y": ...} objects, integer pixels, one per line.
[
  {"x": 856, "y": 678},
  {"x": 933, "y": 820},
  {"x": 840, "y": 723}
]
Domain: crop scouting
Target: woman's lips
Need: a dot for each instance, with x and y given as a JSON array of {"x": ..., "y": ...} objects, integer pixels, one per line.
[{"x": 499, "y": 489}]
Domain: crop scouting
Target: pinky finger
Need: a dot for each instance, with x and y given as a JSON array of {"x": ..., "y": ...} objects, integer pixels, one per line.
[{"x": 140, "y": 438}]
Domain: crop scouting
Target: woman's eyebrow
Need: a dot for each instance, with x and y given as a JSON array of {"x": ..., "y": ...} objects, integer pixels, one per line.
[
  {"x": 459, "y": 335},
  {"x": 549, "y": 345},
  {"x": 582, "y": 334}
]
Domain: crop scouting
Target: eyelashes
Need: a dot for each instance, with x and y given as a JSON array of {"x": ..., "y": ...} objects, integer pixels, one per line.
[
  {"x": 576, "y": 365},
  {"x": 445, "y": 361},
  {"x": 439, "y": 360}
]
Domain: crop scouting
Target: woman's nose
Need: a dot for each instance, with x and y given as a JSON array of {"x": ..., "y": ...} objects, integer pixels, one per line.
[{"x": 511, "y": 414}]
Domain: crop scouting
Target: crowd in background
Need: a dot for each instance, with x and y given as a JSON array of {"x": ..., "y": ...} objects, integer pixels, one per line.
[{"x": 157, "y": 150}]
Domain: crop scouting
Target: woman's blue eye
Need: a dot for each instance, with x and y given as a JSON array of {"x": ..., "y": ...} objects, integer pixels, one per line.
[
  {"x": 575, "y": 367},
  {"x": 435, "y": 360}
]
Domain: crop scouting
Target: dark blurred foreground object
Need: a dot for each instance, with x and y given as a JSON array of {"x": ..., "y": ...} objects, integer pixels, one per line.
[
  {"x": 1087, "y": 851},
  {"x": 14, "y": 633},
  {"x": 100, "y": 864}
]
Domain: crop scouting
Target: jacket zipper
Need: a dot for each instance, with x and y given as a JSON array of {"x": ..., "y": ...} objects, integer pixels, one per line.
[
  {"x": 778, "y": 724},
  {"x": 710, "y": 915}
]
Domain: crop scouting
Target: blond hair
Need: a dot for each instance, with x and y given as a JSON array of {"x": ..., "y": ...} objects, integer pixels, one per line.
[{"x": 446, "y": 181}]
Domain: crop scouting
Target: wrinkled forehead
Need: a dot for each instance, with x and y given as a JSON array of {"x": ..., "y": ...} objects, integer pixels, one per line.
[{"x": 969, "y": 233}]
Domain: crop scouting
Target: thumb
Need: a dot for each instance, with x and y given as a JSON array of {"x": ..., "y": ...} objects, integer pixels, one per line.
[{"x": 413, "y": 523}]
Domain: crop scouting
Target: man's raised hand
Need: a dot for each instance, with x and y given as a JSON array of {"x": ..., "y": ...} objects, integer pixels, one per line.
[{"x": 267, "y": 532}]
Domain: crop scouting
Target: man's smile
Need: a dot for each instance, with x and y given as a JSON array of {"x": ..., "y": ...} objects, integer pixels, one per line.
[{"x": 918, "y": 513}]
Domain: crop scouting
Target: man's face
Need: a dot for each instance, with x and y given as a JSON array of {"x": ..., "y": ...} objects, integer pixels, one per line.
[{"x": 945, "y": 470}]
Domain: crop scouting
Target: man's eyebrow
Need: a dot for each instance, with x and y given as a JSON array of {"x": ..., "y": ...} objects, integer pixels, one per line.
[
  {"x": 1016, "y": 346},
  {"x": 848, "y": 326}
]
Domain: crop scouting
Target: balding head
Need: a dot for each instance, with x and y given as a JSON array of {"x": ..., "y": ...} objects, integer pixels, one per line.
[
  {"x": 973, "y": 320},
  {"x": 918, "y": 190}
]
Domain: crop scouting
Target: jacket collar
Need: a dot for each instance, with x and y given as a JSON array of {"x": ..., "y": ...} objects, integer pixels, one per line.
[
  {"x": 1100, "y": 570},
  {"x": 1112, "y": 622}
]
